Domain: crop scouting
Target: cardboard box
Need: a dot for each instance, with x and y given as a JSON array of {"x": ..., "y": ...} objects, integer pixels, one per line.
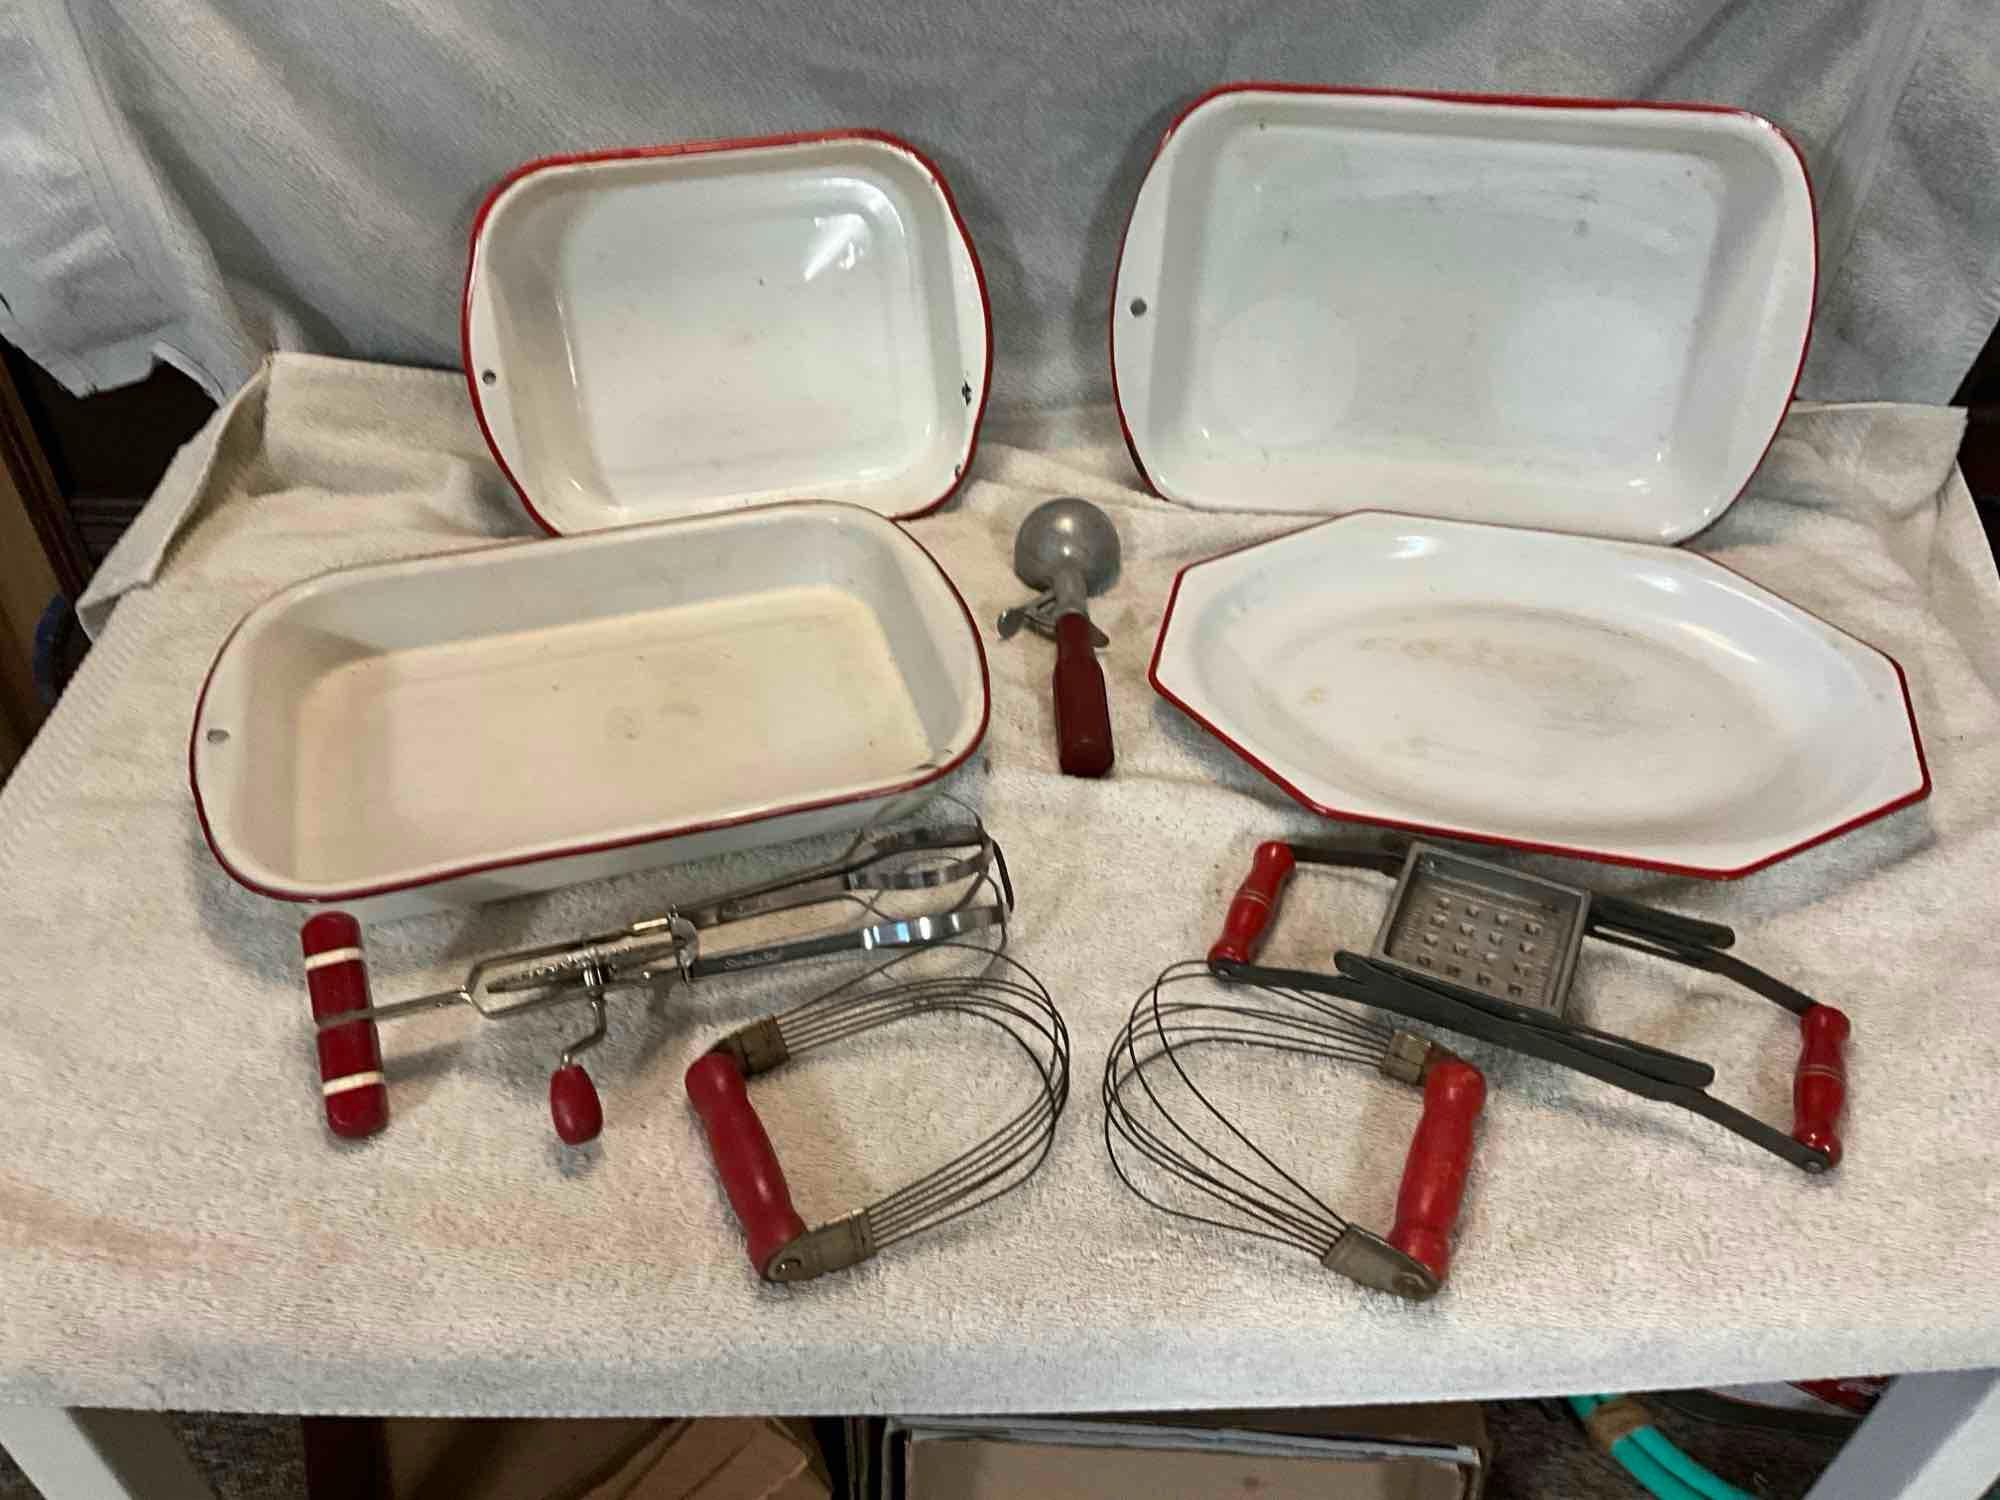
[
  {"x": 721, "y": 1458},
  {"x": 533, "y": 1459},
  {"x": 651, "y": 1459},
  {"x": 1367, "y": 1453}
]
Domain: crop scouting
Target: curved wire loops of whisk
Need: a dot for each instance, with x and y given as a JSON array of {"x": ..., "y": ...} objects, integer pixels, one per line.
[
  {"x": 997, "y": 990},
  {"x": 1225, "y": 1178}
]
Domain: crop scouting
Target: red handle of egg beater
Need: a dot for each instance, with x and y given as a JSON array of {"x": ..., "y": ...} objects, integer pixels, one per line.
[
  {"x": 744, "y": 1158},
  {"x": 1083, "y": 712},
  {"x": 1819, "y": 1085},
  {"x": 1254, "y": 904},
  {"x": 574, "y": 1106},
  {"x": 1434, "y": 1173},
  {"x": 350, "y": 1056}
]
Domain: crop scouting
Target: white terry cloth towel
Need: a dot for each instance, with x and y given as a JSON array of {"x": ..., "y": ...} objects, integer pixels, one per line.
[
  {"x": 176, "y": 1228},
  {"x": 204, "y": 181}
]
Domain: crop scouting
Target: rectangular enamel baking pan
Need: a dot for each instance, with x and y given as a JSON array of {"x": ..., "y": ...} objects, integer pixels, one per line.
[
  {"x": 1581, "y": 315},
  {"x": 670, "y": 330},
  {"x": 409, "y": 735}
]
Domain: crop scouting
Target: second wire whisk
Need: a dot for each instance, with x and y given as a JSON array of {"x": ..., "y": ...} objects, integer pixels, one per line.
[
  {"x": 1167, "y": 1136},
  {"x": 996, "y": 990}
]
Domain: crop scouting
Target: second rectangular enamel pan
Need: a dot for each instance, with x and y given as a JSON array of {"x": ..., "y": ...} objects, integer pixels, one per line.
[
  {"x": 410, "y": 735},
  {"x": 1580, "y": 316},
  {"x": 671, "y": 330}
]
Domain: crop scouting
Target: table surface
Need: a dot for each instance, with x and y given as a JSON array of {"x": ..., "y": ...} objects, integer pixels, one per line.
[{"x": 176, "y": 1229}]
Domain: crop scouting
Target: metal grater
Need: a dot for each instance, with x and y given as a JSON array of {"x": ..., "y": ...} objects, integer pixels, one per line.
[
  {"x": 1490, "y": 953},
  {"x": 1484, "y": 928}
]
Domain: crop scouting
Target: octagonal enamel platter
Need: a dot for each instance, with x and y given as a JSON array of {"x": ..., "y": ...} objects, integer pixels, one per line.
[
  {"x": 681, "y": 329},
  {"x": 1576, "y": 315},
  {"x": 1615, "y": 701}
]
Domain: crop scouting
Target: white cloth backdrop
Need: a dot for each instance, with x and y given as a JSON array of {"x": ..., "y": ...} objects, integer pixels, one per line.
[{"x": 207, "y": 180}]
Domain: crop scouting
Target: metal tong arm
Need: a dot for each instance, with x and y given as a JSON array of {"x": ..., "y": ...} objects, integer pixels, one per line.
[
  {"x": 1382, "y": 861},
  {"x": 1384, "y": 989},
  {"x": 1610, "y": 914},
  {"x": 1562, "y": 1043},
  {"x": 900, "y": 932},
  {"x": 1691, "y": 941},
  {"x": 855, "y": 871},
  {"x": 1819, "y": 1079},
  {"x": 1451, "y": 1007},
  {"x": 1701, "y": 956},
  {"x": 441, "y": 1000}
]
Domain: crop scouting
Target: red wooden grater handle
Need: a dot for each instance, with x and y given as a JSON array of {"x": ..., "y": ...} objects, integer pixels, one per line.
[
  {"x": 1254, "y": 904},
  {"x": 350, "y": 1056},
  {"x": 1819, "y": 1087},
  {"x": 744, "y": 1158},
  {"x": 1083, "y": 714},
  {"x": 1434, "y": 1174}
]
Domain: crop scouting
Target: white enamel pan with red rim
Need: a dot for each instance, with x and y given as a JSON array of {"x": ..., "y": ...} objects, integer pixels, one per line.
[
  {"x": 658, "y": 332},
  {"x": 1579, "y": 316},
  {"x": 1581, "y": 319},
  {"x": 411, "y": 735}
]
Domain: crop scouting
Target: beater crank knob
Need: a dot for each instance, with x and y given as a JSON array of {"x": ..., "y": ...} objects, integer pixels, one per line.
[{"x": 574, "y": 1106}]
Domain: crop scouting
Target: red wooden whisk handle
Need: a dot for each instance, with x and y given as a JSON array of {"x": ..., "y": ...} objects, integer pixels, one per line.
[
  {"x": 744, "y": 1158},
  {"x": 1434, "y": 1173}
]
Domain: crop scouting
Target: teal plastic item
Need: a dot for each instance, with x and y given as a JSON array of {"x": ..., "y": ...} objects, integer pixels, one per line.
[
  {"x": 1660, "y": 1468},
  {"x": 1669, "y": 1457}
]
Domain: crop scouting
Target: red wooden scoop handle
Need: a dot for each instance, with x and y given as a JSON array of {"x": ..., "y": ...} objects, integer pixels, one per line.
[
  {"x": 1083, "y": 715},
  {"x": 350, "y": 1056},
  {"x": 1819, "y": 1087},
  {"x": 1440, "y": 1152},
  {"x": 743, "y": 1157},
  {"x": 1253, "y": 905}
]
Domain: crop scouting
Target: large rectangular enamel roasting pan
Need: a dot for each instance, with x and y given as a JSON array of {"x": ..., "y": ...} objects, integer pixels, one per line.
[{"x": 414, "y": 734}]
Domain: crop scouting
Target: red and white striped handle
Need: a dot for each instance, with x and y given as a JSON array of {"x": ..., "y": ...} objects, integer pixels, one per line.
[{"x": 350, "y": 1056}]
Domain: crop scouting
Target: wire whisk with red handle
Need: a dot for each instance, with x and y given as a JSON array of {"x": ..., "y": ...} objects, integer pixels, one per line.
[
  {"x": 1218, "y": 1175},
  {"x": 1000, "y": 992}
]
